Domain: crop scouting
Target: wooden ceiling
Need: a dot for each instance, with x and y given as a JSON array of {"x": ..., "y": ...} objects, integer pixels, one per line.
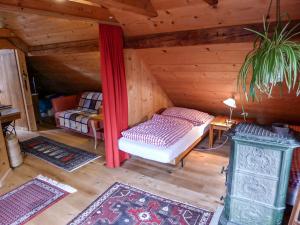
[
  {"x": 202, "y": 77},
  {"x": 38, "y": 28},
  {"x": 68, "y": 73},
  {"x": 198, "y": 76}
]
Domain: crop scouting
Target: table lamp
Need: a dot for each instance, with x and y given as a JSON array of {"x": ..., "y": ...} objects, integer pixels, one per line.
[{"x": 231, "y": 103}]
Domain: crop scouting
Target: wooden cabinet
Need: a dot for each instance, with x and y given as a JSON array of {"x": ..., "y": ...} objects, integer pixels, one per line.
[
  {"x": 15, "y": 88},
  {"x": 258, "y": 175}
]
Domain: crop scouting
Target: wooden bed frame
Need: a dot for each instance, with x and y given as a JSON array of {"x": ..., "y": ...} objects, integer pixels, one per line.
[
  {"x": 179, "y": 159},
  {"x": 183, "y": 155}
]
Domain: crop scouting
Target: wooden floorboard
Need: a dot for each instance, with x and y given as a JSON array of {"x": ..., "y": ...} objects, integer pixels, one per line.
[{"x": 199, "y": 183}]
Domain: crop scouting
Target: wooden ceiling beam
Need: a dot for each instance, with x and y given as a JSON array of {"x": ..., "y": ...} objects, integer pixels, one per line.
[
  {"x": 65, "y": 48},
  {"x": 6, "y": 33},
  {"x": 11, "y": 37},
  {"x": 230, "y": 34},
  {"x": 19, "y": 43},
  {"x": 65, "y": 9},
  {"x": 141, "y": 7},
  {"x": 5, "y": 44}
]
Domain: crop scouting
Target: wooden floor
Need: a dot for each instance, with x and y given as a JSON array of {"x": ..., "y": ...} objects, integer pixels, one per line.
[{"x": 199, "y": 183}]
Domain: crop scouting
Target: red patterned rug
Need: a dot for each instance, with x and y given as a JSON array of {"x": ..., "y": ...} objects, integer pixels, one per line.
[
  {"x": 122, "y": 204},
  {"x": 25, "y": 202}
]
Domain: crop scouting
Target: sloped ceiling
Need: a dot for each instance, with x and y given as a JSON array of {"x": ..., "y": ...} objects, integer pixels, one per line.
[
  {"x": 68, "y": 73},
  {"x": 202, "y": 77},
  {"x": 198, "y": 77},
  {"x": 41, "y": 30}
]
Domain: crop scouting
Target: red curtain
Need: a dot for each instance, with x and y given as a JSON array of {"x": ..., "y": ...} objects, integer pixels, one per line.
[{"x": 115, "y": 102}]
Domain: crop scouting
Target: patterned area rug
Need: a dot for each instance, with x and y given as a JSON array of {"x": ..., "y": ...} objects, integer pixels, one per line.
[
  {"x": 58, "y": 154},
  {"x": 25, "y": 202},
  {"x": 122, "y": 204}
]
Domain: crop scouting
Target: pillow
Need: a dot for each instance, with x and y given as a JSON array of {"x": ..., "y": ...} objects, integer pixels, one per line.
[
  {"x": 171, "y": 119},
  {"x": 90, "y": 101},
  {"x": 194, "y": 116}
]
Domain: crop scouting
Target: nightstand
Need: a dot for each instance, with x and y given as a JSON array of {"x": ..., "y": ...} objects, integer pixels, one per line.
[{"x": 219, "y": 124}]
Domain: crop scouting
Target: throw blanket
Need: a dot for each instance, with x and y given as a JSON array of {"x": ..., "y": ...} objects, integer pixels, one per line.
[
  {"x": 160, "y": 131},
  {"x": 75, "y": 119},
  {"x": 78, "y": 119}
]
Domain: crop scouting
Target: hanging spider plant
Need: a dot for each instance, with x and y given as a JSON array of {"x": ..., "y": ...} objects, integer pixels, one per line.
[{"x": 274, "y": 60}]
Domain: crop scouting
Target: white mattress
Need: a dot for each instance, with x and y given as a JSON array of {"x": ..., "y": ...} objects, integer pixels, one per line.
[{"x": 163, "y": 155}]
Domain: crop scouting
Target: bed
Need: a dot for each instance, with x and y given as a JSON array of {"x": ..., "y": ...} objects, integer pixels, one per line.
[{"x": 172, "y": 154}]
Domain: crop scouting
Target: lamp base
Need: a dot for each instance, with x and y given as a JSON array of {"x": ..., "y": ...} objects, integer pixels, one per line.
[{"x": 229, "y": 121}]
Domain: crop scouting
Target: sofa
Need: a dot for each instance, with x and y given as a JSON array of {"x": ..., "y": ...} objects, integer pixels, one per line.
[{"x": 73, "y": 112}]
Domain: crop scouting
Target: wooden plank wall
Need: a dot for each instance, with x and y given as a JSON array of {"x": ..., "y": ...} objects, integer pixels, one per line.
[
  {"x": 26, "y": 90},
  {"x": 10, "y": 89},
  {"x": 72, "y": 73},
  {"x": 145, "y": 96},
  {"x": 203, "y": 76}
]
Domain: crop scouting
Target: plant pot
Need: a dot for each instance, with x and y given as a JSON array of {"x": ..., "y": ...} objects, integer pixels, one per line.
[{"x": 281, "y": 128}]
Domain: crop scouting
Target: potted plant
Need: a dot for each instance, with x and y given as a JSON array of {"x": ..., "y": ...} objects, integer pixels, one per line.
[{"x": 274, "y": 60}]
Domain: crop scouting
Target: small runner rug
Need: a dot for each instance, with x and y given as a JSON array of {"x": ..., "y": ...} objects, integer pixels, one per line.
[
  {"x": 122, "y": 204},
  {"x": 25, "y": 202},
  {"x": 63, "y": 156}
]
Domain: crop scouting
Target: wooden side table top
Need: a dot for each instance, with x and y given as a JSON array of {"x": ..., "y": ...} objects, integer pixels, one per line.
[
  {"x": 9, "y": 115},
  {"x": 97, "y": 117},
  {"x": 221, "y": 121},
  {"x": 219, "y": 124}
]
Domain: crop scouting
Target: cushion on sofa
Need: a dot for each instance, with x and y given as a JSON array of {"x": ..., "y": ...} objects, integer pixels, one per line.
[
  {"x": 90, "y": 102},
  {"x": 78, "y": 119},
  {"x": 75, "y": 120}
]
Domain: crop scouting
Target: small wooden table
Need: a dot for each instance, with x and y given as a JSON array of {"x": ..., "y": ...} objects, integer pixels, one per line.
[
  {"x": 96, "y": 118},
  {"x": 219, "y": 123},
  {"x": 6, "y": 116}
]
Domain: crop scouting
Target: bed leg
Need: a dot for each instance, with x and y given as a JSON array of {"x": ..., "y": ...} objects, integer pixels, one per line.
[{"x": 182, "y": 163}]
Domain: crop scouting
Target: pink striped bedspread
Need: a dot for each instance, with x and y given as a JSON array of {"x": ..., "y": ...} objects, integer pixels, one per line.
[{"x": 161, "y": 131}]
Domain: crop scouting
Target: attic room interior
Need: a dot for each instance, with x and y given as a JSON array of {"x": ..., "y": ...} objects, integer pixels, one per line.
[{"x": 150, "y": 112}]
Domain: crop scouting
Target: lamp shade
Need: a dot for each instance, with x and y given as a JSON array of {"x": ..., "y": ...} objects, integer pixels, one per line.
[{"x": 230, "y": 102}]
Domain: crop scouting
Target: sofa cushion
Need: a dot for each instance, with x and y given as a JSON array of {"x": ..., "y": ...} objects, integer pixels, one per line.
[{"x": 90, "y": 102}]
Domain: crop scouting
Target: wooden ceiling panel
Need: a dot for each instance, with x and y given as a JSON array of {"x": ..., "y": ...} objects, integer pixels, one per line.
[
  {"x": 69, "y": 73},
  {"x": 178, "y": 15},
  {"x": 140, "y": 7},
  {"x": 62, "y": 9},
  {"x": 189, "y": 55},
  {"x": 41, "y": 30},
  {"x": 173, "y": 15},
  {"x": 171, "y": 4}
]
